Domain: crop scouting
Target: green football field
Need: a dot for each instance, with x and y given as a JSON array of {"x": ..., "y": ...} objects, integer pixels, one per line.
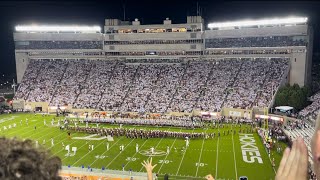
[{"x": 222, "y": 157}]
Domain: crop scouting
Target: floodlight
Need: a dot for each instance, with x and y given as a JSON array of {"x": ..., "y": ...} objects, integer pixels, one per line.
[
  {"x": 274, "y": 21},
  {"x": 57, "y": 28}
]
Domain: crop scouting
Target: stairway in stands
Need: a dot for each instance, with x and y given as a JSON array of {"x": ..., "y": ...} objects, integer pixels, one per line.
[
  {"x": 306, "y": 134},
  {"x": 153, "y": 87},
  {"x": 38, "y": 72},
  {"x": 107, "y": 82},
  {"x": 130, "y": 84},
  {"x": 231, "y": 85},
  {"x": 58, "y": 84},
  {"x": 259, "y": 93},
  {"x": 178, "y": 85},
  {"x": 85, "y": 83},
  {"x": 204, "y": 87}
]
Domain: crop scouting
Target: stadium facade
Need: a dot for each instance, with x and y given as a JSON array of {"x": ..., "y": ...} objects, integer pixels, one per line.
[
  {"x": 132, "y": 40},
  {"x": 166, "y": 67}
]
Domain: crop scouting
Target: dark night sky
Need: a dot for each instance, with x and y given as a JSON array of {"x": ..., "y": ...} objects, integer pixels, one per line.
[{"x": 148, "y": 11}]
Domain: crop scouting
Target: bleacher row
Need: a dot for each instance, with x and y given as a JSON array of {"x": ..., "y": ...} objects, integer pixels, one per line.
[
  {"x": 117, "y": 85},
  {"x": 306, "y": 134},
  {"x": 266, "y": 41},
  {"x": 270, "y": 41}
]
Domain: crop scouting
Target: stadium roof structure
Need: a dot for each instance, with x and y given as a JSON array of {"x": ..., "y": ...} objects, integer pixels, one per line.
[
  {"x": 57, "y": 28},
  {"x": 261, "y": 22}
]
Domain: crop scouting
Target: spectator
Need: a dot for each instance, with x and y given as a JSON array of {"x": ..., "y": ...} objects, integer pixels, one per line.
[{"x": 21, "y": 160}]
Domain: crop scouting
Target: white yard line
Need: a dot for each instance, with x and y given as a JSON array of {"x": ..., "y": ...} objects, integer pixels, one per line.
[
  {"x": 108, "y": 150},
  {"x": 67, "y": 144},
  {"x": 234, "y": 156},
  {"x": 40, "y": 129},
  {"x": 119, "y": 153},
  {"x": 182, "y": 159},
  {"x": 86, "y": 153},
  {"x": 58, "y": 142},
  {"x": 38, "y": 132},
  {"x": 217, "y": 157},
  {"x": 136, "y": 153},
  {"x": 200, "y": 155},
  {"x": 155, "y": 148},
  {"x": 168, "y": 154},
  {"x": 14, "y": 132}
]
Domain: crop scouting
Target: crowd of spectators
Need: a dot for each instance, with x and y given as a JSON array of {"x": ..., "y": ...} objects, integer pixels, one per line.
[
  {"x": 139, "y": 87},
  {"x": 310, "y": 112},
  {"x": 272, "y": 82},
  {"x": 270, "y": 41},
  {"x": 253, "y": 79},
  {"x": 72, "y": 83},
  {"x": 29, "y": 78},
  {"x": 222, "y": 77},
  {"x": 118, "y": 87},
  {"x": 48, "y": 77},
  {"x": 165, "y": 88},
  {"x": 153, "y": 61},
  {"x": 59, "y": 45},
  {"x": 315, "y": 97},
  {"x": 191, "y": 84},
  {"x": 95, "y": 85}
]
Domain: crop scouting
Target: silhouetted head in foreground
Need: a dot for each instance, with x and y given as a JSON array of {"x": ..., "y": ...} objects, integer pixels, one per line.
[{"x": 20, "y": 160}]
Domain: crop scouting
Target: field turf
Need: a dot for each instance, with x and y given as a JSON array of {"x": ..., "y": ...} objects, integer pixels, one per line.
[{"x": 221, "y": 157}]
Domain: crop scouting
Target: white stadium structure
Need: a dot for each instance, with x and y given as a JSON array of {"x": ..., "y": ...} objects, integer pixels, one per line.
[{"x": 160, "y": 68}]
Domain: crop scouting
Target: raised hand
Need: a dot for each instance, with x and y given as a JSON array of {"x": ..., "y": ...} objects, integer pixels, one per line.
[
  {"x": 294, "y": 163},
  {"x": 148, "y": 165}
]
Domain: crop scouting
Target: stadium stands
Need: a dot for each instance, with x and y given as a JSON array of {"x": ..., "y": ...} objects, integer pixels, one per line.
[
  {"x": 60, "y": 45},
  {"x": 310, "y": 112},
  {"x": 150, "y": 87},
  {"x": 299, "y": 129},
  {"x": 272, "y": 41}
]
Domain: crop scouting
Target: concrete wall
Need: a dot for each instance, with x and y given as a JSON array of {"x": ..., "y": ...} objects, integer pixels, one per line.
[
  {"x": 21, "y": 36},
  {"x": 298, "y": 68},
  {"x": 22, "y": 62},
  {"x": 33, "y": 105},
  {"x": 233, "y": 112}
]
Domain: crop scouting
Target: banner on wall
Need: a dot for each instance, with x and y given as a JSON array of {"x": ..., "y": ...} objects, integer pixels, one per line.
[
  {"x": 235, "y": 113},
  {"x": 18, "y": 104}
]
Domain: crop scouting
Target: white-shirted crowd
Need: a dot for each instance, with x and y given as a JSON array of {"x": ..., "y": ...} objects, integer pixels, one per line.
[
  {"x": 73, "y": 81},
  {"x": 190, "y": 87},
  {"x": 310, "y": 112},
  {"x": 116, "y": 85},
  {"x": 252, "y": 83}
]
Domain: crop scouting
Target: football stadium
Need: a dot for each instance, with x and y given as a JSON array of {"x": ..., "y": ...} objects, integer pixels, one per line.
[{"x": 193, "y": 98}]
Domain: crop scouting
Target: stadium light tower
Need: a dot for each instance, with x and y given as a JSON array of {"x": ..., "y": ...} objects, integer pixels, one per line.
[
  {"x": 57, "y": 28},
  {"x": 261, "y": 22}
]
